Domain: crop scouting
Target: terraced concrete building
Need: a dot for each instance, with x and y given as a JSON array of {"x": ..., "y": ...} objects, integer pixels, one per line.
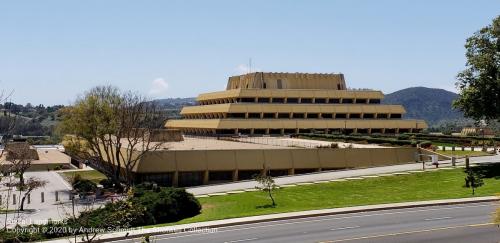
[{"x": 287, "y": 103}]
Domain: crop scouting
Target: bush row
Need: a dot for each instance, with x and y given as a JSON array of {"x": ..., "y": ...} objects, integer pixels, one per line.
[{"x": 398, "y": 141}]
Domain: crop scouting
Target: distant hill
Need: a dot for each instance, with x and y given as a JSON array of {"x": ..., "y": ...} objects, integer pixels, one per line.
[
  {"x": 175, "y": 103},
  {"x": 173, "y": 106},
  {"x": 432, "y": 105}
]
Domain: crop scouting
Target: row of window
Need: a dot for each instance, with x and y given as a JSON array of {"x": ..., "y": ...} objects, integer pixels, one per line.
[
  {"x": 294, "y": 116},
  {"x": 291, "y": 101},
  {"x": 272, "y": 131}
]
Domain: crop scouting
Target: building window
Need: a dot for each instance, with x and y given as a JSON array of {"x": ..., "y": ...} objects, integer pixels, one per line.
[
  {"x": 263, "y": 100},
  {"x": 396, "y": 116},
  {"x": 355, "y": 116},
  {"x": 320, "y": 100},
  {"x": 312, "y": 115},
  {"x": 347, "y": 101},
  {"x": 253, "y": 115},
  {"x": 269, "y": 115},
  {"x": 292, "y": 100},
  {"x": 248, "y": 100},
  {"x": 334, "y": 101},
  {"x": 368, "y": 116},
  {"x": 283, "y": 115},
  {"x": 265, "y": 85},
  {"x": 236, "y": 115},
  {"x": 278, "y": 100},
  {"x": 220, "y": 175},
  {"x": 280, "y": 85},
  {"x": 298, "y": 115},
  {"x": 306, "y": 100},
  {"x": 382, "y": 116},
  {"x": 341, "y": 115},
  {"x": 362, "y": 130},
  {"x": 374, "y": 101},
  {"x": 327, "y": 115},
  {"x": 360, "y": 101}
]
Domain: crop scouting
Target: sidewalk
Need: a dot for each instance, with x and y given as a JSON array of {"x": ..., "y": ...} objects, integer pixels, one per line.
[
  {"x": 280, "y": 216},
  {"x": 236, "y": 187}
]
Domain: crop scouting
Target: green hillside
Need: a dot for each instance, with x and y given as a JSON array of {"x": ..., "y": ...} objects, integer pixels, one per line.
[{"x": 432, "y": 105}]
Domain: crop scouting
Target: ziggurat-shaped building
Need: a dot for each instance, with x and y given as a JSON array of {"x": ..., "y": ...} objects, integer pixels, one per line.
[{"x": 287, "y": 103}]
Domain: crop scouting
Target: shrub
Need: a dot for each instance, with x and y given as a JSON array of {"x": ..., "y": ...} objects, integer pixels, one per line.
[
  {"x": 84, "y": 186},
  {"x": 106, "y": 183},
  {"x": 165, "y": 205},
  {"x": 425, "y": 144},
  {"x": 121, "y": 214}
]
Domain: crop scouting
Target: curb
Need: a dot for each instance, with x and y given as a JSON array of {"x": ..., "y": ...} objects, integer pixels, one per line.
[{"x": 380, "y": 207}]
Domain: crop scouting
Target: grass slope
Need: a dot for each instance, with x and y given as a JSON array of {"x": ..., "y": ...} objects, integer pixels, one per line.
[
  {"x": 92, "y": 175},
  {"x": 442, "y": 184},
  {"x": 460, "y": 153}
]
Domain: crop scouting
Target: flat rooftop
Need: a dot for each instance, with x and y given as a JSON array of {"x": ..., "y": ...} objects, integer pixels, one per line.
[
  {"x": 212, "y": 143},
  {"x": 47, "y": 155}
]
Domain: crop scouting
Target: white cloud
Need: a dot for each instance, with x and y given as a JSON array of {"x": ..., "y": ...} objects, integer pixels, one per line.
[
  {"x": 244, "y": 69},
  {"x": 159, "y": 86}
]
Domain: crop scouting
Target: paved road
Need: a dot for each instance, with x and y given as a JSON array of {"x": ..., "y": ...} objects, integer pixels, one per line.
[
  {"x": 329, "y": 175},
  {"x": 453, "y": 223}
]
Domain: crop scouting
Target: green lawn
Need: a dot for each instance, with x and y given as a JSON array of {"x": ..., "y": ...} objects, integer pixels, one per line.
[
  {"x": 445, "y": 144},
  {"x": 461, "y": 153},
  {"x": 92, "y": 175},
  {"x": 442, "y": 184}
]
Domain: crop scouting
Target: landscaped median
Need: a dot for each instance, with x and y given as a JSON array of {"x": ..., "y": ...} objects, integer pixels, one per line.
[
  {"x": 461, "y": 154},
  {"x": 395, "y": 188}
]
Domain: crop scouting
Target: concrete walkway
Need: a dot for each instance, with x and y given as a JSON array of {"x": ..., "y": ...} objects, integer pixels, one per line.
[
  {"x": 211, "y": 226},
  {"x": 237, "y": 187},
  {"x": 39, "y": 210}
]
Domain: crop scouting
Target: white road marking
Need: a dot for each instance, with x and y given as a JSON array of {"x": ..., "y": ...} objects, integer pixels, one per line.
[
  {"x": 407, "y": 232},
  {"x": 432, "y": 219},
  {"x": 344, "y": 228},
  {"x": 234, "y": 241},
  {"x": 321, "y": 218}
]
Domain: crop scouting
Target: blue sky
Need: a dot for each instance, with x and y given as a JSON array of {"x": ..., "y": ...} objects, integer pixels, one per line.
[{"x": 51, "y": 51}]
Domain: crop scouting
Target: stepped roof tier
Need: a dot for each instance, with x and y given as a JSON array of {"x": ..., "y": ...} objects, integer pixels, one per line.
[{"x": 287, "y": 103}]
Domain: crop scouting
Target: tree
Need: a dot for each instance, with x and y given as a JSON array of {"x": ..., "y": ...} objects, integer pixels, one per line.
[
  {"x": 111, "y": 129},
  {"x": 473, "y": 179},
  {"x": 30, "y": 185},
  {"x": 479, "y": 83},
  {"x": 20, "y": 155},
  {"x": 266, "y": 184}
]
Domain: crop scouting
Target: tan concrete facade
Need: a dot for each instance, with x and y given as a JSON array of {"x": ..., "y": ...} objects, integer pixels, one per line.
[
  {"x": 197, "y": 161},
  {"x": 195, "y": 167},
  {"x": 286, "y": 103},
  {"x": 261, "y": 80}
]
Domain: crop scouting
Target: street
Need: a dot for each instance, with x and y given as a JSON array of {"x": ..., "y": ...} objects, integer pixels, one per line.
[{"x": 451, "y": 223}]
